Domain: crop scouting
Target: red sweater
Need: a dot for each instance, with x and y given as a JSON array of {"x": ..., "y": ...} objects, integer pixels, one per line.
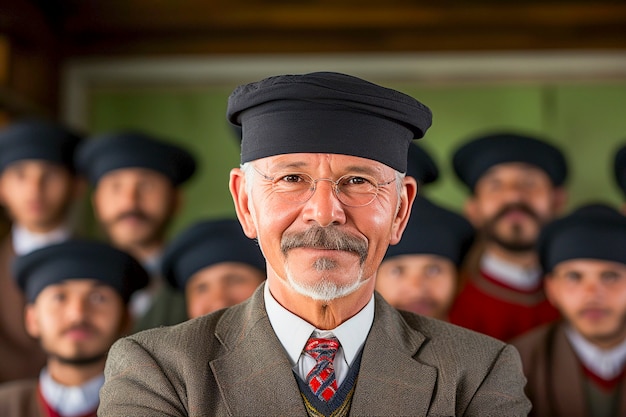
[{"x": 498, "y": 310}]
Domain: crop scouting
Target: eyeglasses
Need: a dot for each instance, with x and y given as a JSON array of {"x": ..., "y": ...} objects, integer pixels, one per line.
[{"x": 351, "y": 190}]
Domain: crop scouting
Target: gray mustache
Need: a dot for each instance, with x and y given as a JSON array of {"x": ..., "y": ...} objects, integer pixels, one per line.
[{"x": 328, "y": 238}]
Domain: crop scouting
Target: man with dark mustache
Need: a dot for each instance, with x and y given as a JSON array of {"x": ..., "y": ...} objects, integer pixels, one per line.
[
  {"x": 77, "y": 294},
  {"x": 322, "y": 189},
  {"x": 136, "y": 179},
  {"x": 516, "y": 183}
]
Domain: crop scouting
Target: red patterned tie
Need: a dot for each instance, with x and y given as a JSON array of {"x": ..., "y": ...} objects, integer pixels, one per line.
[{"x": 321, "y": 378}]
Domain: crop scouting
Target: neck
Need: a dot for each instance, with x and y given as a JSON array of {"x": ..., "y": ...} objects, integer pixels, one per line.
[
  {"x": 324, "y": 315},
  {"x": 145, "y": 253},
  {"x": 41, "y": 229},
  {"x": 74, "y": 375},
  {"x": 526, "y": 259}
]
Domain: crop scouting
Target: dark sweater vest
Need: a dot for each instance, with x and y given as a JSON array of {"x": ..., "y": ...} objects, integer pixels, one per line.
[{"x": 339, "y": 405}]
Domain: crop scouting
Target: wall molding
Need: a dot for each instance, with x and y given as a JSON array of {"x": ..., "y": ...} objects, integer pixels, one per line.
[{"x": 81, "y": 76}]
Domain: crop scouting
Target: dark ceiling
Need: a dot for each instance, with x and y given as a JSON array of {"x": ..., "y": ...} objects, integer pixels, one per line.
[{"x": 90, "y": 27}]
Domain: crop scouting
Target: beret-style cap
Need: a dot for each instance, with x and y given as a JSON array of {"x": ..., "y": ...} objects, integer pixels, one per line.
[
  {"x": 78, "y": 259},
  {"x": 594, "y": 231},
  {"x": 421, "y": 165},
  {"x": 130, "y": 149},
  {"x": 207, "y": 243},
  {"x": 620, "y": 168},
  {"x": 434, "y": 230},
  {"x": 38, "y": 139},
  {"x": 472, "y": 159},
  {"x": 326, "y": 112}
]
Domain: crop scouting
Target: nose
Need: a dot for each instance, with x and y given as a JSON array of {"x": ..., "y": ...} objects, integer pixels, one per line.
[
  {"x": 324, "y": 207},
  {"x": 514, "y": 192},
  {"x": 129, "y": 197},
  {"x": 76, "y": 309}
]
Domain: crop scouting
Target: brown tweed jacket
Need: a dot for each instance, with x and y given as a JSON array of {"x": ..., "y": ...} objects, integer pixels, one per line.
[{"x": 230, "y": 363}]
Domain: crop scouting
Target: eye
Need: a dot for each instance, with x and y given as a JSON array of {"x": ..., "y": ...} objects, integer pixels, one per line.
[
  {"x": 97, "y": 297},
  {"x": 572, "y": 276},
  {"x": 292, "y": 178},
  {"x": 610, "y": 277},
  {"x": 432, "y": 270}
]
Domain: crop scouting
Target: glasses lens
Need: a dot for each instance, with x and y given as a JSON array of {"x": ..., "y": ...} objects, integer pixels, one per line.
[
  {"x": 356, "y": 191},
  {"x": 296, "y": 188}
]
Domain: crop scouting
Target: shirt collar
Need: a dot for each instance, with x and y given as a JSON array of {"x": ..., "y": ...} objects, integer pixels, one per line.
[
  {"x": 509, "y": 273},
  {"x": 293, "y": 332},
  {"x": 602, "y": 362},
  {"x": 25, "y": 241},
  {"x": 71, "y": 401}
]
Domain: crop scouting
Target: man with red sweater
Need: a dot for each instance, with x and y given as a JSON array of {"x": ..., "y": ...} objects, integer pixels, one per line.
[{"x": 517, "y": 186}]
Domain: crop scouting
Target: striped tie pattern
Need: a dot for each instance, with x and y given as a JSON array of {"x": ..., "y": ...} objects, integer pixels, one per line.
[{"x": 321, "y": 379}]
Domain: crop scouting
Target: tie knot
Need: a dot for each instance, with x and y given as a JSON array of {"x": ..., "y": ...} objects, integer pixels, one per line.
[{"x": 322, "y": 348}]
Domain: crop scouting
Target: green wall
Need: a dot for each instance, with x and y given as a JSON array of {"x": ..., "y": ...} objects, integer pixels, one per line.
[{"x": 588, "y": 121}]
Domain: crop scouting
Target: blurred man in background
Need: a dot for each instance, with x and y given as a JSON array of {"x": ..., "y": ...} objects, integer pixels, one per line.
[
  {"x": 215, "y": 264},
  {"x": 77, "y": 294},
  {"x": 38, "y": 188},
  {"x": 517, "y": 186},
  {"x": 136, "y": 180},
  {"x": 421, "y": 273},
  {"x": 576, "y": 367}
]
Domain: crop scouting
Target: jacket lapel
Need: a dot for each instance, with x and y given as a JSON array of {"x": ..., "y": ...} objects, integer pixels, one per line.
[
  {"x": 255, "y": 375},
  {"x": 567, "y": 383},
  {"x": 391, "y": 381}
]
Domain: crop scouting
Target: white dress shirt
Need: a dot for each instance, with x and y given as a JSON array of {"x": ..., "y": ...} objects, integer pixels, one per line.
[
  {"x": 25, "y": 241},
  {"x": 71, "y": 401},
  {"x": 293, "y": 333},
  {"x": 606, "y": 364},
  {"x": 523, "y": 279}
]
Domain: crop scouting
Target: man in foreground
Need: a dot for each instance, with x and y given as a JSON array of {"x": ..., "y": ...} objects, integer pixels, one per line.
[{"x": 321, "y": 188}]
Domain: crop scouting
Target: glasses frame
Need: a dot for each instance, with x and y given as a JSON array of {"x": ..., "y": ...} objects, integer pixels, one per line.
[{"x": 335, "y": 186}]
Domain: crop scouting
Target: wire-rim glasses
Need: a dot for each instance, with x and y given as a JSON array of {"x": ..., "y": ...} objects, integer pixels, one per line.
[{"x": 350, "y": 189}]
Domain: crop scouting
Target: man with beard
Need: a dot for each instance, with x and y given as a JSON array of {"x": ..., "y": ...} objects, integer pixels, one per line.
[
  {"x": 38, "y": 186},
  {"x": 136, "y": 180},
  {"x": 322, "y": 189},
  {"x": 577, "y": 367},
  {"x": 517, "y": 186},
  {"x": 77, "y": 294}
]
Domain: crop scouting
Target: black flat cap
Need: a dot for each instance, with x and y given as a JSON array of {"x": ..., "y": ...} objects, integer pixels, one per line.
[
  {"x": 434, "y": 230},
  {"x": 472, "y": 159},
  {"x": 620, "y": 168},
  {"x": 421, "y": 165},
  {"x": 208, "y": 243},
  {"x": 594, "y": 231},
  {"x": 78, "y": 259},
  {"x": 38, "y": 139},
  {"x": 326, "y": 112},
  {"x": 112, "y": 151}
]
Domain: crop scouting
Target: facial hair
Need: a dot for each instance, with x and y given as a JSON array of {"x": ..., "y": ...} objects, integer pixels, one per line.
[
  {"x": 327, "y": 238},
  {"x": 79, "y": 359},
  {"x": 516, "y": 243},
  {"x": 157, "y": 227}
]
